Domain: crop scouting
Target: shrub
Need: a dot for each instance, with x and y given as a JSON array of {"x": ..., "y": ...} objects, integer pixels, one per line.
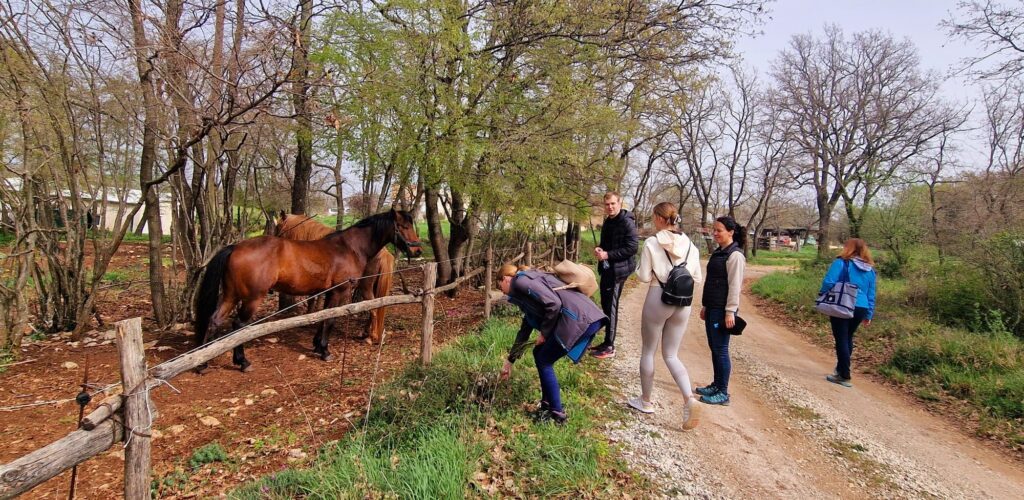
[
  {"x": 952, "y": 293},
  {"x": 1001, "y": 263},
  {"x": 212, "y": 452}
]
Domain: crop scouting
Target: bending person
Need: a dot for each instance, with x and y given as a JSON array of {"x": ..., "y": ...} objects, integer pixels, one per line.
[{"x": 566, "y": 319}]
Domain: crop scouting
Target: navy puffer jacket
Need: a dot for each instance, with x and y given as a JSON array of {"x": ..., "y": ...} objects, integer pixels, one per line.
[{"x": 620, "y": 240}]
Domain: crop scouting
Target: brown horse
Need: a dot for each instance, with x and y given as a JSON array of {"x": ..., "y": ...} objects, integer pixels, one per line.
[
  {"x": 379, "y": 271},
  {"x": 240, "y": 275}
]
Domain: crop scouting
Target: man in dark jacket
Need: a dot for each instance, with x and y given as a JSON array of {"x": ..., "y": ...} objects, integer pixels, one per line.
[{"x": 616, "y": 261}]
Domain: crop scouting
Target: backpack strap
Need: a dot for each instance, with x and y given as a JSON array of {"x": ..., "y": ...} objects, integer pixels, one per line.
[{"x": 669, "y": 256}]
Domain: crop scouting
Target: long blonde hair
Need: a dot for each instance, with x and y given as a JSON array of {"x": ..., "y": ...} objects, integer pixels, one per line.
[{"x": 856, "y": 247}]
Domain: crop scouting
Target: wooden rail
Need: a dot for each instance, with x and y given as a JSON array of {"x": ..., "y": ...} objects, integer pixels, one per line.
[{"x": 105, "y": 426}]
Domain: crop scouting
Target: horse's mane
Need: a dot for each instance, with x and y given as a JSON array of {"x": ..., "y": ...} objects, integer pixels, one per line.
[
  {"x": 302, "y": 227},
  {"x": 379, "y": 223}
]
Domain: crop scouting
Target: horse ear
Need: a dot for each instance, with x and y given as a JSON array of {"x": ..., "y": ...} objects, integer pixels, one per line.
[{"x": 282, "y": 215}]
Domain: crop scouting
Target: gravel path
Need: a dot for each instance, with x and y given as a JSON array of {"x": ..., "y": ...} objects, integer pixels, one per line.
[{"x": 788, "y": 433}]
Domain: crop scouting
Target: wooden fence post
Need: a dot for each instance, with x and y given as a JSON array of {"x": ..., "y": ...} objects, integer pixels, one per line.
[
  {"x": 488, "y": 279},
  {"x": 429, "y": 282},
  {"x": 529, "y": 253},
  {"x": 137, "y": 410},
  {"x": 554, "y": 247}
]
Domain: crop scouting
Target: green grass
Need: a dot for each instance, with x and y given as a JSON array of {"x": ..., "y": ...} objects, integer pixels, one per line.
[
  {"x": 212, "y": 452},
  {"x": 979, "y": 363},
  {"x": 452, "y": 430},
  {"x": 6, "y": 357},
  {"x": 117, "y": 276},
  {"x": 807, "y": 253}
]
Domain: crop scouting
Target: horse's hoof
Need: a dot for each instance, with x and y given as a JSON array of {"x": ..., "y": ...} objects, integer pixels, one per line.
[
  {"x": 245, "y": 367},
  {"x": 201, "y": 369},
  {"x": 327, "y": 357}
]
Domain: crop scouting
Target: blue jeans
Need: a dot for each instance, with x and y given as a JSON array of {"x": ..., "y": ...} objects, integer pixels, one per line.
[
  {"x": 842, "y": 330},
  {"x": 545, "y": 356},
  {"x": 718, "y": 341}
]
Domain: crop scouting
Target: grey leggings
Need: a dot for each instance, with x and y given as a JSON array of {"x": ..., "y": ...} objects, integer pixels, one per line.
[{"x": 666, "y": 325}]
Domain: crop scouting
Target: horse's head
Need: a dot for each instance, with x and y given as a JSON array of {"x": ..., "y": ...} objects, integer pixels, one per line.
[
  {"x": 279, "y": 223},
  {"x": 406, "y": 238}
]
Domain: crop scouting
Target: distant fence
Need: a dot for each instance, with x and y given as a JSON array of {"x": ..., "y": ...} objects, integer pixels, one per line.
[{"x": 129, "y": 416}]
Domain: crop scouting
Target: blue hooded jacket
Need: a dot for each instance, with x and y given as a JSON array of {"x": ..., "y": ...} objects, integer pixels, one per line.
[{"x": 861, "y": 274}]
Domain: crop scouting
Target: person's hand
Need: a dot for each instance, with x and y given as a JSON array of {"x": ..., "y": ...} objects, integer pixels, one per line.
[
  {"x": 540, "y": 340},
  {"x": 600, "y": 254},
  {"x": 702, "y": 314},
  {"x": 730, "y": 320},
  {"x": 505, "y": 370},
  {"x": 866, "y": 322}
]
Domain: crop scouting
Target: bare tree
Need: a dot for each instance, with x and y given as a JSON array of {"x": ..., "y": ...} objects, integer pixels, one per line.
[
  {"x": 997, "y": 27},
  {"x": 772, "y": 170},
  {"x": 859, "y": 109}
]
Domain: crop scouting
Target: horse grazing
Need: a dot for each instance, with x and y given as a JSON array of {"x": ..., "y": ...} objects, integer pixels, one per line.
[
  {"x": 379, "y": 272},
  {"x": 240, "y": 275}
]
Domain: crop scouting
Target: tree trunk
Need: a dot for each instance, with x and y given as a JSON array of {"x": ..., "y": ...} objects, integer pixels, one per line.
[
  {"x": 463, "y": 229},
  {"x": 437, "y": 242},
  {"x": 301, "y": 101},
  {"x": 148, "y": 160}
]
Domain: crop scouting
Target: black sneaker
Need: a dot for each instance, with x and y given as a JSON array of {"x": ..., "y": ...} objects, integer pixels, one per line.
[
  {"x": 598, "y": 347},
  {"x": 607, "y": 352},
  {"x": 706, "y": 390},
  {"x": 549, "y": 415}
]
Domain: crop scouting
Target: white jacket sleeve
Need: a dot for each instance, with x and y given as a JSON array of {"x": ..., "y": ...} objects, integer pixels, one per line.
[
  {"x": 693, "y": 264},
  {"x": 734, "y": 268},
  {"x": 646, "y": 269}
]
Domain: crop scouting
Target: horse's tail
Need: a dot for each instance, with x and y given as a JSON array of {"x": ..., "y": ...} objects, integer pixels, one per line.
[
  {"x": 381, "y": 288},
  {"x": 209, "y": 292}
]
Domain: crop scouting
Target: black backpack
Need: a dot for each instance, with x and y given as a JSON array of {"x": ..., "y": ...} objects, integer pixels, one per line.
[{"x": 677, "y": 290}]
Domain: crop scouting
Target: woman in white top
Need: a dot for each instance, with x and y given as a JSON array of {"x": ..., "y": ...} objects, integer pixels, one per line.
[{"x": 663, "y": 323}]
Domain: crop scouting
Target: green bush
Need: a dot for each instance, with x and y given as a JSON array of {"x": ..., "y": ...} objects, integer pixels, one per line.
[
  {"x": 951, "y": 293},
  {"x": 987, "y": 369},
  {"x": 1001, "y": 264},
  {"x": 212, "y": 452}
]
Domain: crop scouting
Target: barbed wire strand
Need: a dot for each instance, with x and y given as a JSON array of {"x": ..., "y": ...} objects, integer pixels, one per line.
[{"x": 243, "y": 328}]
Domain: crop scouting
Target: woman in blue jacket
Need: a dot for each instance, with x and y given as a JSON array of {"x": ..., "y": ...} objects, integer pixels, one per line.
[{"x": 856, "y": 259}]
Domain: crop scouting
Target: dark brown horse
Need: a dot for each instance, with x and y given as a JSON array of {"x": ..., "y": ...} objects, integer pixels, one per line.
[
  {"x": 379, "y": 272},
  {"x": 240, "y": 275}
]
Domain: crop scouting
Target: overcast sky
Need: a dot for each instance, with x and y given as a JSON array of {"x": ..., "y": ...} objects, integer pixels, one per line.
[{"x": 917, "y": 20}]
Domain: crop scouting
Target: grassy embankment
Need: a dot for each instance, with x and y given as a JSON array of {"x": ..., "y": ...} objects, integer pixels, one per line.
[
  {"x": 929, "y": 336},
  {"x": 451, "y": 430}
]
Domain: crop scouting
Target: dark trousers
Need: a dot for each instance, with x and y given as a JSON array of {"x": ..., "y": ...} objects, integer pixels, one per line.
[
  {"x": 611, "y": 289},
  {"x": 843, "y": 330},
  {"x": 718, "y": 342},
  {"x": 545, "y": 356}
]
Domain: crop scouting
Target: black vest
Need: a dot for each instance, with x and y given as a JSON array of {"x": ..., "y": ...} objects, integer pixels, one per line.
[{"x": 716, "y": 283}]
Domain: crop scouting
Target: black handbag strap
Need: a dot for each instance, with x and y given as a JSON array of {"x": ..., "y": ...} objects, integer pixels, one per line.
[{"x": 845, "y": 277}]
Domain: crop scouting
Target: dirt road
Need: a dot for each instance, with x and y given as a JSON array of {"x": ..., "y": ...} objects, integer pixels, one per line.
[{"x": 788, "y": 432}]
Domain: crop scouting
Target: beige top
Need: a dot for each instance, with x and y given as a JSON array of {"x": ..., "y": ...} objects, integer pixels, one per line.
[{"x": 655, "y": 264}]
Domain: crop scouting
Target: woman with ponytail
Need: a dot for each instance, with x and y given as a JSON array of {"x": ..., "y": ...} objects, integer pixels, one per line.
[
  {"x": 720, "y": 302},
  {"x": 661, "y": 323}
]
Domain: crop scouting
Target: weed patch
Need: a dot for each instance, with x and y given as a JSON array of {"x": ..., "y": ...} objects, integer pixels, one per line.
[{"x": 452, "y": 430}]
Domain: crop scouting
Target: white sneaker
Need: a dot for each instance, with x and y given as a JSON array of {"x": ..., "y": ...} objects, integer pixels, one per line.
[
  {"x": 641, "y": 405},
  {"x": 691, "y": 414}
]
